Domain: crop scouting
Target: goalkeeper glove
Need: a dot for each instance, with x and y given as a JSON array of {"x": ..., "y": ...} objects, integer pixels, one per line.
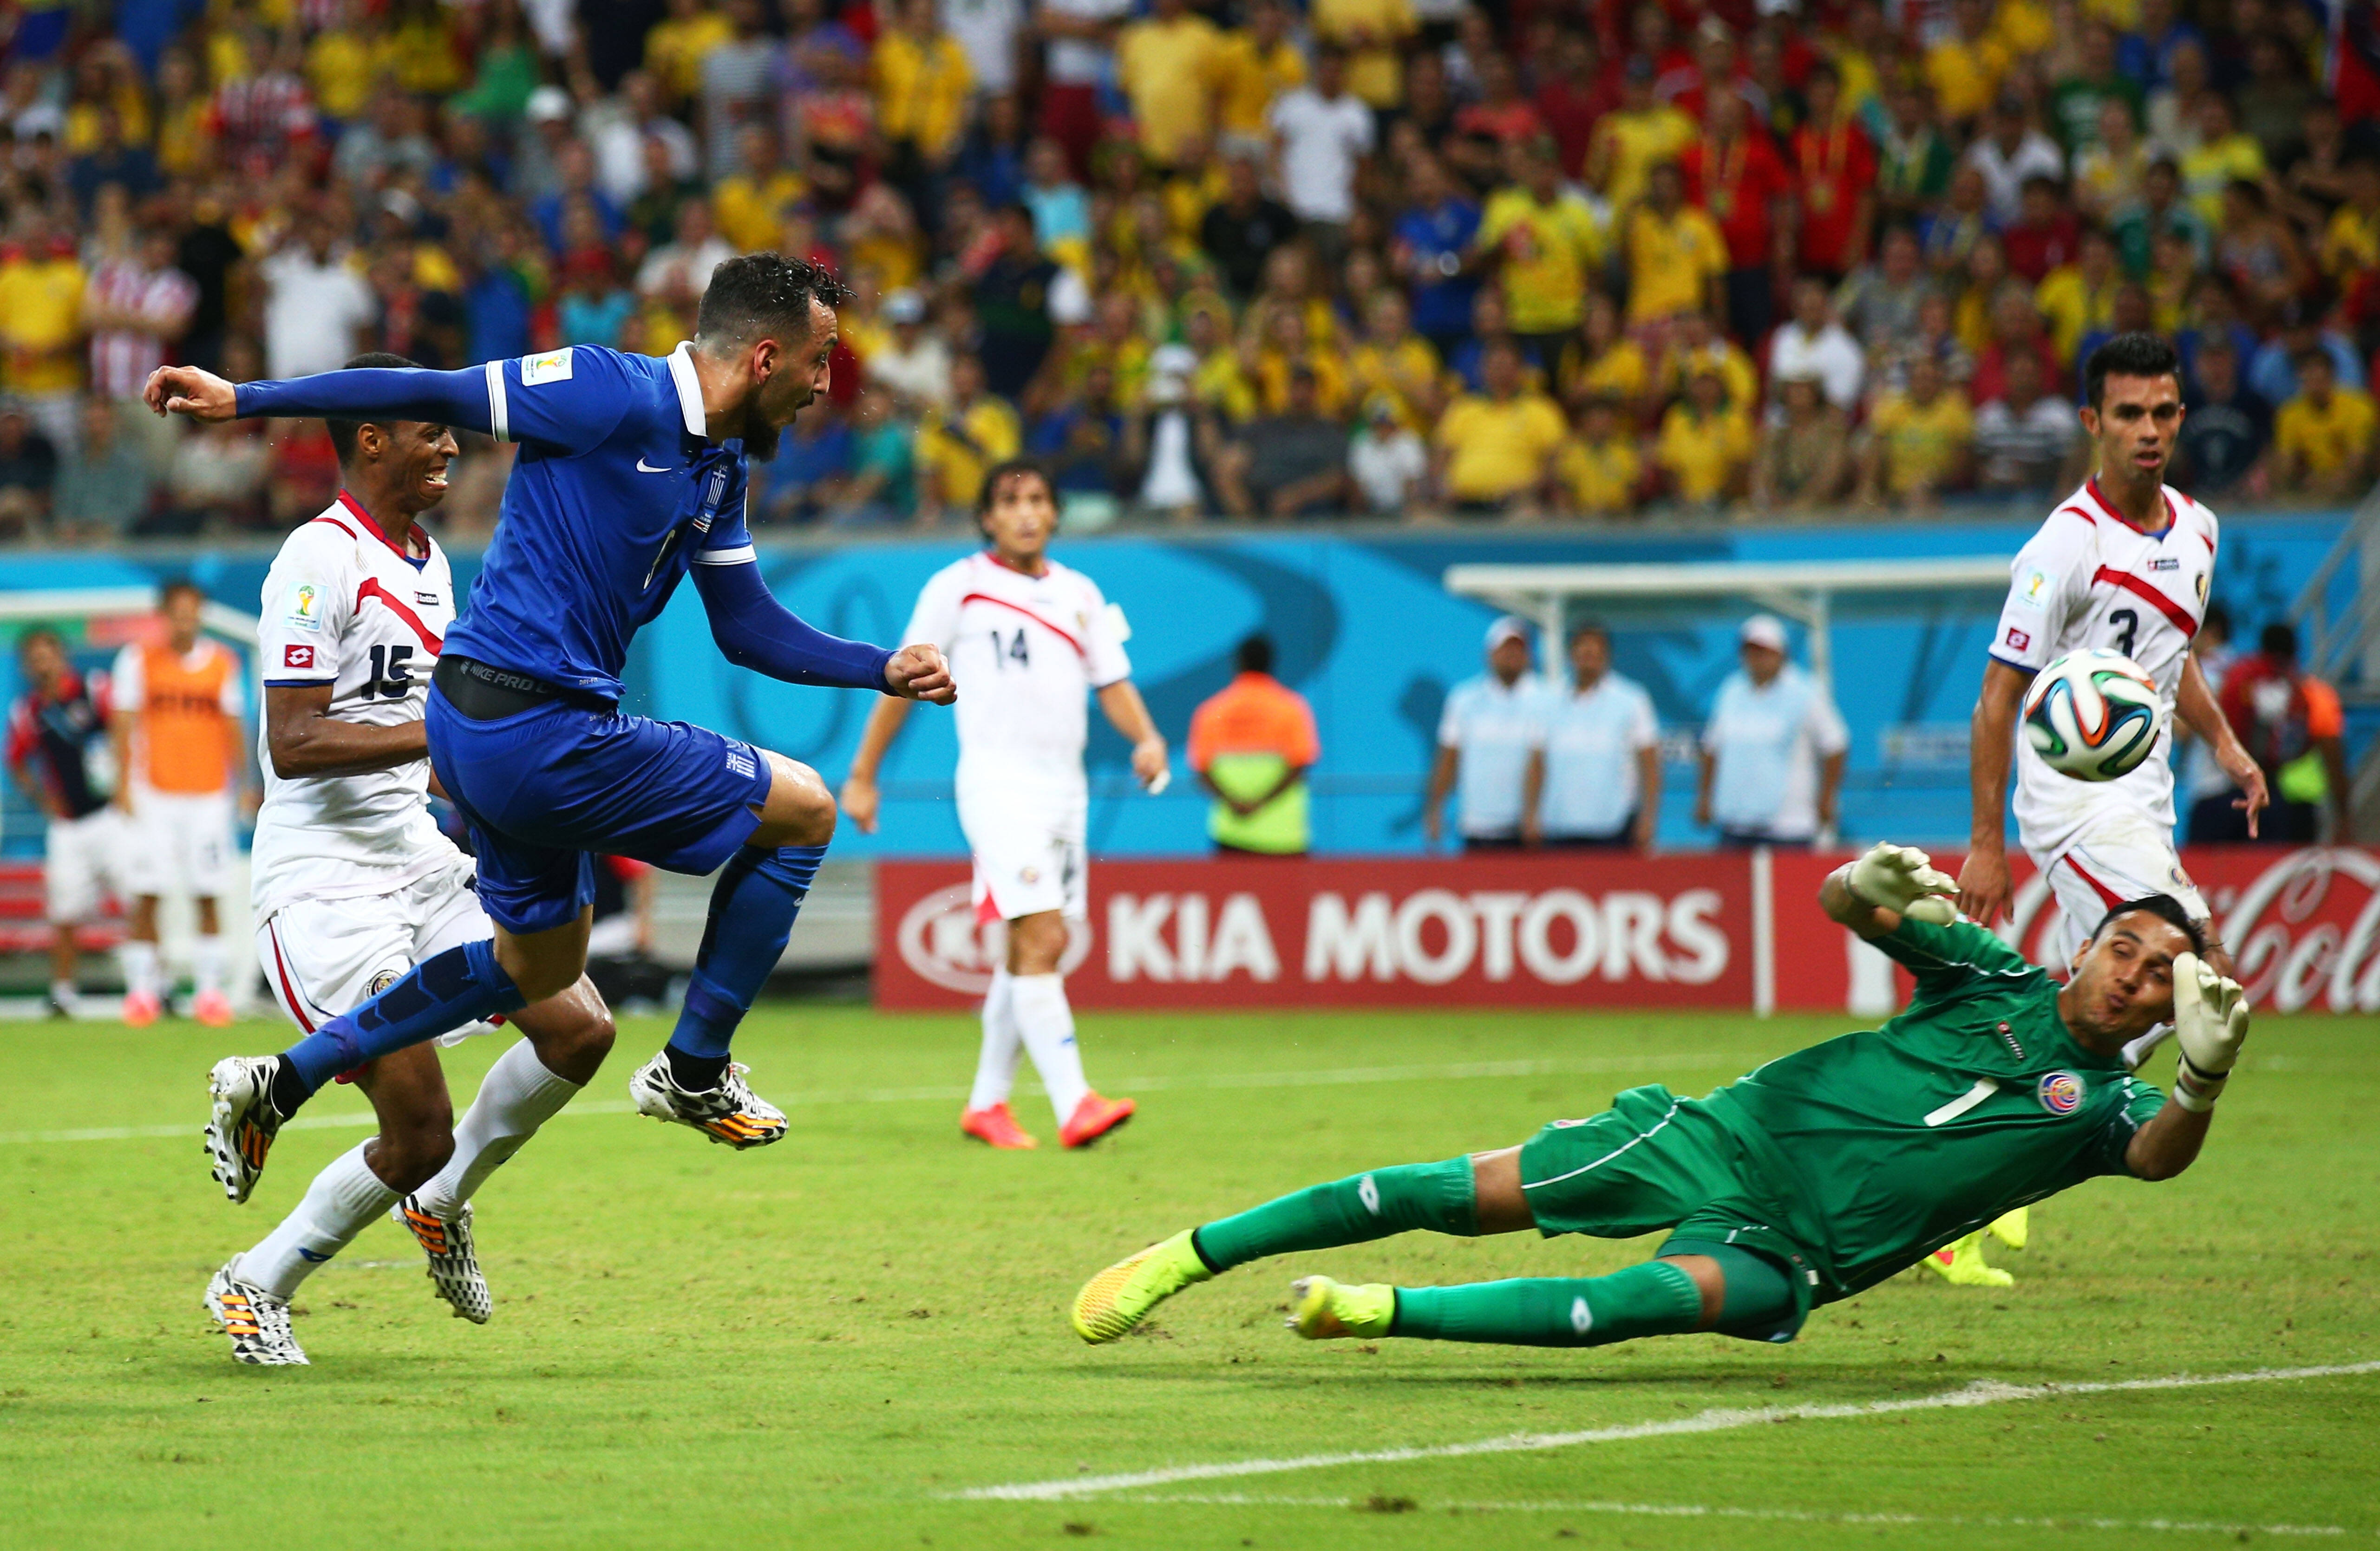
[
  {"x": 1903, "y": 879},
  {"x": 2210, "y": 1023}
]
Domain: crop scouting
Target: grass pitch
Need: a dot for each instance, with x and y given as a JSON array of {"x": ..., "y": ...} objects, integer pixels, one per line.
[{"x": 821, "y": 1344}]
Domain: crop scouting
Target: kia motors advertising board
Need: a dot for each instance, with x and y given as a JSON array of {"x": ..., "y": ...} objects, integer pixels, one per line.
[{"x": 1737, "y": 930}]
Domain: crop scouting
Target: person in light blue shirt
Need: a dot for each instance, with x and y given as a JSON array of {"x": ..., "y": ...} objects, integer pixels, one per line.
[
  {"x": 1594, "y": 777},
  {"x": 1484, "y": 739},
  {"x": 1772, "y": 756}
]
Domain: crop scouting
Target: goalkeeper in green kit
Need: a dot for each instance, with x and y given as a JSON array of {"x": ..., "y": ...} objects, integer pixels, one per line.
[{"x": 1812, "y": 1178}]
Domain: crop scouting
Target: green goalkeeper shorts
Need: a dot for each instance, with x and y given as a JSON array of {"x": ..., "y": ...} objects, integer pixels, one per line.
[{"x": 1656, "y": 1162}]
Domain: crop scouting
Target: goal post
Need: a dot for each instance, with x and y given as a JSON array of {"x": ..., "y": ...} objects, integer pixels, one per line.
[{"x": 1802, "y": 591}]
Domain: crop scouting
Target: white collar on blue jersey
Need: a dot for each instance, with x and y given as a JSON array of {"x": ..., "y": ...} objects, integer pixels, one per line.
[{"x": 689, "y": 389}]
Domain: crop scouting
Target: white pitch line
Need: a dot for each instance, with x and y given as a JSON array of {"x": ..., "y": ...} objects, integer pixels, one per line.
[
  {"x": 1330, "y": 1077},
  {"x": 1797, "y": 1516},
  {"x": 1985, "y": 1392}
]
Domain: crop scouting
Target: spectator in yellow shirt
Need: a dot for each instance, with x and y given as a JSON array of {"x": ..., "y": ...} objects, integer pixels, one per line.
[
  {"x": 1964, "y": 69},
  {"x": 1494, "y": 450},
  {"x": 680, "y": 41},
  {"x": 748, "y": 207},
  {"x": 1677, "y": 260},
  {"x": 1371, "y": 31},
  {"x": 1395, "y": 363},
  {"x": 2351, "y": 242},
  {"x": 1696, "y": 346},
  {"x": 1706, "y": 443},
  {"x": 41, "y": 331},
  {"x": 1169, "y": 64},
  {"x": 922, "y": 81},
  {"x": 1257, "y": 63},
  {"x": 2322, "y": 438},
  {"x": 1631, "y": 141},
  {"x": 2078, "y": 298},
  {"x": 1597, "y": 471},
  {"x": 955, "y": 447},
  {"x": 1919, "y": 442},
  {"x": 1601, "y": 361},
  {"x": 1545, "y": 247}
]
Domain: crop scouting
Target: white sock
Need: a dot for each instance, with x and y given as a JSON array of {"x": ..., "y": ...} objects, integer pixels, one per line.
[
  {"x": 63, "y": 992},
  {"x": 340, "y": 1204},
  {"x": 995, "y": 1068},
  {"x": 207, "y": 965},
  {"x": 517, "y": 1096},
  {"x": 139, "y": 961},
  {"x": 1046, "y": 1025}
]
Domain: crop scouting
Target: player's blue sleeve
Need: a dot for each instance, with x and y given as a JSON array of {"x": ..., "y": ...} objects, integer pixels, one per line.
[
  {"x": 570, "y": 400},
  {"x": 448, "y": 398},
  {"x": 756, "y": 631}
]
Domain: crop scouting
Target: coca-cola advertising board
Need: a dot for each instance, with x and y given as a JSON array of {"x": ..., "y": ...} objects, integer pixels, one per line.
[{"x": 1738, "y": 929}]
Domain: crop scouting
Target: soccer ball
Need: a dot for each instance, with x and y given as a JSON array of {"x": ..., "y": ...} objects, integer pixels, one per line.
[{"x": 2093, "y": 715}]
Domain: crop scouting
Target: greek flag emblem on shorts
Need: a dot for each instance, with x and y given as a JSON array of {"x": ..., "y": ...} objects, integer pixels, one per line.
[{"x": 740, "y": 760}]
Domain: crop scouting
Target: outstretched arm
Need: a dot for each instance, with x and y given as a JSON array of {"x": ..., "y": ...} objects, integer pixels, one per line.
[
  {"x": 452, "y": 398},
  {"x": 1984, "y": 879},
  {"x": 756, "y": 631},
  {"x": 2194, "y": 704},
  {"x": 1871, "y": 895}
]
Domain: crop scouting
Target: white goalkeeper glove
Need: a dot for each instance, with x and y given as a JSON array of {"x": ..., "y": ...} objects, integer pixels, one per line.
[
  {"x": 1903, "y": 879},
  {"x": 2210, "y": 1023}
]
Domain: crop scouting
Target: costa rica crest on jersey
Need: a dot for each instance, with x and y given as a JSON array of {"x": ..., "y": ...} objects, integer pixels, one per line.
[{"x": 2061, "y": 1093}]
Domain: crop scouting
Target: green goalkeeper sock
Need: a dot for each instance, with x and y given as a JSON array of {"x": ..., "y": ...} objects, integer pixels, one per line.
[
  {"x": 1436, "y": 1197},
  {"x": 1653, "y": 1298}
]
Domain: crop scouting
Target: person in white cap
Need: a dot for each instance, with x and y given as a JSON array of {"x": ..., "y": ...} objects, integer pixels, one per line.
[
  {"x": 1773, "y": 750},
  {"x": 1490, "y": 724}
]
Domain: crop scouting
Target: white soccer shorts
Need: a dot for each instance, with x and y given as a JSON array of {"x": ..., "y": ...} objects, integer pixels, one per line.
[
  {"x": 1029, "y": 857},
  {"x": 2121, "y": 857},
  {"x": 323, "y": 957},
  {"x": 81, "y": 862},
  {"x": 179, "y": 842}
]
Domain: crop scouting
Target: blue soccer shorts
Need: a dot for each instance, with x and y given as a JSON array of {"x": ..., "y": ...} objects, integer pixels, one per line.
[{"x": 547, "y": 788}]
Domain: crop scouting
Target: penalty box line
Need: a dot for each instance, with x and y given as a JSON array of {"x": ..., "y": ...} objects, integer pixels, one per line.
[
  {"x": 1328, "y": 1077},
  {"x": 1985, "y": 1392},
  {"x": 1786, "y": 1515}
]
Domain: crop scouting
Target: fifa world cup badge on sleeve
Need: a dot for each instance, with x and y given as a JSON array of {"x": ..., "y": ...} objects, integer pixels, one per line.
[
  {"x": 2061, "y": 1093},
  {"x": 551, "y": 367},
  {"x": 305, "y": 607}
]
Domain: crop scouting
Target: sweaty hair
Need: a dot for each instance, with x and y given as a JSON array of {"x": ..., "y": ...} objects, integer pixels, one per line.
[
  {"x": 1255, "y": 655},
  {"x": 2166, "y": 908},
  {"x": 1001, "y": 473},
  {"x": 343, "y": 432},
  {"x": 764, "y": 295},
  {"x": 2128, "y": 355},
  {"x": 2279, "y": 641}
]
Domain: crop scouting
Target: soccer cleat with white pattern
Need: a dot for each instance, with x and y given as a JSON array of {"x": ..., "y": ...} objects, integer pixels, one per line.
[
  {"x": 454, "y": 1262},
  {"x": 257, "y": 1321},
  {"x": 243, "y": 1122},
  {"x": 731, "y": 1113}
]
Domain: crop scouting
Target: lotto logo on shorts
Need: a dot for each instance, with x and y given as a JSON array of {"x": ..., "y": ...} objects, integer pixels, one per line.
[
  {"x": 741, "y": 763},
  {"x": 296, "y": 656},
  {"x": 2061, "y": 1093},
  {"x": 2018, "y": 638}
]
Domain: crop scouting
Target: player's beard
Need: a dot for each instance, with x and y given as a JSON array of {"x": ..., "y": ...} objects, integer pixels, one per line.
[{"x": 761, "y": 442}]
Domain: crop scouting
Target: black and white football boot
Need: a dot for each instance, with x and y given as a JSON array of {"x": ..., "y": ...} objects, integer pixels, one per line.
[
  {"x": 453, "y": 1263},
  {"x": 242, "y": 1123},
  {"x": 257, "y": 1321},
  {"x": 731, "y": 1113}
]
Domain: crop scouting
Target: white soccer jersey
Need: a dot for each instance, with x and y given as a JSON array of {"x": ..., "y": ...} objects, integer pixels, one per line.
[
  {"x": 2090, "y": 578},
  {"x": 1023, "y": 652},
  {"x": 343, "y": 607}
]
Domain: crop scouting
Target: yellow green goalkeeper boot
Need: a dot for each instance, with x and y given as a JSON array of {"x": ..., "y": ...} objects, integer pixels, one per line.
[
  {"x": 1120, "y": 1297},
  {"x": 1962, "y": 1265},
  {"x": 2009, "y": 1228},
  {"x": 1327, "y": 1310}
]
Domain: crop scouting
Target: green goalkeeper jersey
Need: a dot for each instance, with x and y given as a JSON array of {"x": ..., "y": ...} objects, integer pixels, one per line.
[{"x": 1974, "y": 1101}]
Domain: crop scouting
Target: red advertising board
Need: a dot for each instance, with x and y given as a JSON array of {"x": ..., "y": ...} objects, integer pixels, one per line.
[{"x": 1716, "y": 929}]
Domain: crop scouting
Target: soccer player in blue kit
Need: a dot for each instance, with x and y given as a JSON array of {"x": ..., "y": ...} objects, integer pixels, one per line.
[{"x": 631, "y": 472}]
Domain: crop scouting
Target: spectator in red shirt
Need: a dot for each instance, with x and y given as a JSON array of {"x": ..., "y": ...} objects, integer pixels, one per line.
[
  {"x": 1734, "y": 173},
  {"x": 1574, "y": 95},
  {"x": 2017, "y": 329},
  {"x": 2292, "y": 723},
  {"x": 1834, "y": 167},
  {"x": 2046, "y": 234},
  {"x": 1501, "y": 113}
]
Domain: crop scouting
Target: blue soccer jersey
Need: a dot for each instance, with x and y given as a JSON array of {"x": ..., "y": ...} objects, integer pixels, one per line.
[{"x": 615, "y": 493}]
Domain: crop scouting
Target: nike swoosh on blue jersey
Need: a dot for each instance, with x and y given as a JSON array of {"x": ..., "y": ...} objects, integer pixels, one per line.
[{"x": 643, "y": 468}]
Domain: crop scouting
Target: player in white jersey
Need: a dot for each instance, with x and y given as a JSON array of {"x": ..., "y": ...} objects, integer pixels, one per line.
[
  {"x": 354, "y": 883},
  {"x": 2125, "y": 562},
  {"x": 1028, "y": 641}
]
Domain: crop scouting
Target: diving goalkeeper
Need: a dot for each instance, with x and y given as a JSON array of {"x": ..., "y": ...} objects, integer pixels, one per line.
[{"x": 1815, "y": 1177}]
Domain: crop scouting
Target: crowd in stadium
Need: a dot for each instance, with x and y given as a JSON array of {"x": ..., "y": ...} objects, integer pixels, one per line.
[{"x": 1550, "y": 259}]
